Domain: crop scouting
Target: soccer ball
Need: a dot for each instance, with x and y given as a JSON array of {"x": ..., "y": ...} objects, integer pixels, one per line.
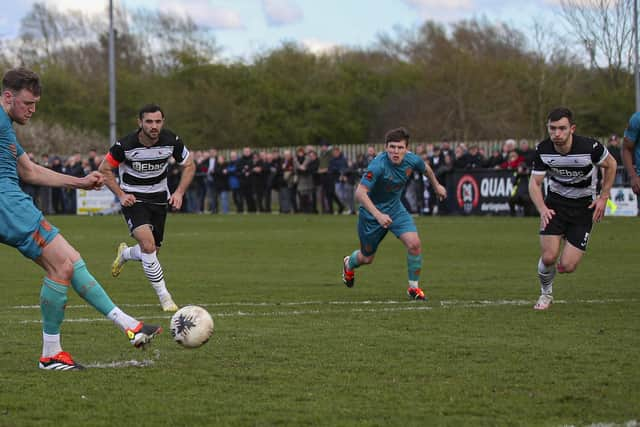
[{"x": 191, "y": 326}]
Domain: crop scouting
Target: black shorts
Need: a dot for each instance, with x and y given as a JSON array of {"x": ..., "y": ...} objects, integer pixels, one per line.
[
  {"x": 147, "y": 213},
  {"x": 572, "y": 222}
]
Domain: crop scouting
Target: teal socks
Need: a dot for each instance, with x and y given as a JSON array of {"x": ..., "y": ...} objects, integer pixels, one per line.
[
  {"x": 89, "y": 289},
  {"x": 53, "y": 298},
  {"x": 353, "y": 260},
  {"x": 414, "y": 266}
]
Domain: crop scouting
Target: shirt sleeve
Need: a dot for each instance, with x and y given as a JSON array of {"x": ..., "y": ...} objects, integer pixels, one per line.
[
  {"x": 632, "y": 132},
  {"x": 115, "y": 156},
  {"x": 180, "y": 152},
  {"x": 539, "y": 167},
  {"x": 599, "y": 153},
  {"x": 370, "y": 175}
]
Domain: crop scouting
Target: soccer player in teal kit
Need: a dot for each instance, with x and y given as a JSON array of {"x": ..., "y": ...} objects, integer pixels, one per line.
[
  {"x": 24, "y": 227},
  {"x": 381, "y": 210}
]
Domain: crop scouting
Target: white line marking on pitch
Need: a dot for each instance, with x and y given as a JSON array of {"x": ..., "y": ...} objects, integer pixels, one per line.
[
  {"x": 443, "y": 303},
  {"x": 246, "y": 314},
  {"x": 121, "y": 364},
  {"x": 373, "y": 307}
]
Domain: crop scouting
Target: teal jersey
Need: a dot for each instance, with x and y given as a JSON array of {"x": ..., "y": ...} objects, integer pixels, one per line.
[
  {"x": 10, "y": 150},
  {"x": 386, "y": 181},
  {"x": 632, "y": 132}
]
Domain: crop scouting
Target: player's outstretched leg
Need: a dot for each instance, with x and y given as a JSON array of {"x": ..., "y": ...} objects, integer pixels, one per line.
[
  {"x": 90, "y": 290},
  {"x": 53, "y": 298}
]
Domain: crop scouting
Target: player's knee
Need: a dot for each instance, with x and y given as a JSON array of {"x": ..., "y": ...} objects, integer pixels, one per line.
[
  {"x": 147, "y": 247},
  {"x": 567, "y": 267},
  {"x": 414, "y": 248},
  {"x": 62, "y": 271},
  {"x": 548, "y": 258},
  {"x": 367, "y": 259}
]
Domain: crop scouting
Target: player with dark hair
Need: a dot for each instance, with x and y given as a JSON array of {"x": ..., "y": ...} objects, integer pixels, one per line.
[
  {"x": 571, "y": 206},
  {"x": 24, "y": 227},
  {"x": 142, "y": 159},
  {"x": 381, "y": 210}
]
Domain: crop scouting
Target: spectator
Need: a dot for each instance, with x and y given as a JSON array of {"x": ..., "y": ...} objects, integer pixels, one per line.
[
  {"x": 526, "y": 153},
  {"x": 286, "y": 195},
  {"x": 513, "y": 161},
  {"x": 495, "y": 160},
  {"x": 57, "y": 195},
  {"x": 613, "y": 145},
  {"x": 337, "y": 164},
  {"x": 221, "y": 183},
  {"x": 245, "y": 167},
  {"x": 93, "y": 159},
  {"x": 323, "y": 176},
  {"x": 234, "y": 181},
  {"x": 259, "y": 179},
  {"x": 508, "y": 146},
  {"x": 472, "y": 159},
  {"x": 305, "y": 186},
  {"x": 274, "y": 176},
  {"x": 459, "y": 160},
  {"x": 520, "y": 201},
  {"x": 212, "y": 193}
]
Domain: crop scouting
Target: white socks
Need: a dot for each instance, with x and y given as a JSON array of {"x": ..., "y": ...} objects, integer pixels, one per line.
[
  {"x": 50, "y": 344},
  {"x": 132, "y": 253},
  {"x": 546, "y": 275},
  {"x": 122, "y": 319},
  {"x": 153, "y": 271}
]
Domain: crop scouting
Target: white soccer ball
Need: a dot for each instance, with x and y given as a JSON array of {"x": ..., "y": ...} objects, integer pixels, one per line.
[{"x": 191, "y": 326}]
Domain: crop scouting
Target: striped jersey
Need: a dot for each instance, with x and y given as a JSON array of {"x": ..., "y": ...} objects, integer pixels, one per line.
[
  {"x": 573, "y": 175},
  {"x": 143, "y": 170}
]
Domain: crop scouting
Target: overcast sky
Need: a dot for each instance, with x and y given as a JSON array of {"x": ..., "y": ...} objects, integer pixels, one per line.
[{"x": 245, "y": 27}]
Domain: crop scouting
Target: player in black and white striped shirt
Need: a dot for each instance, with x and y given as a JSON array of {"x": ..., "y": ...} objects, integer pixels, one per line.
[
  {"x": 142, "y": 159},
  {"x": 572, "y": 206}
]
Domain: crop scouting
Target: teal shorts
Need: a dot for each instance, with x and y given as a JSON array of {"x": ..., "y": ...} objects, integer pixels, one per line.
[
  {"x": 23, "y": 226},
  {"x": 371, "y": 232}
]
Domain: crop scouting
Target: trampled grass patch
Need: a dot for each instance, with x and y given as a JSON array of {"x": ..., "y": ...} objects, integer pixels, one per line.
[{"x": 293, "y": 346}]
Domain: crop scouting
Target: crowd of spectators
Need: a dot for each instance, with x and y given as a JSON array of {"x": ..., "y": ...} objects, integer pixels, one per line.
[{"x": 314, "y": 180}]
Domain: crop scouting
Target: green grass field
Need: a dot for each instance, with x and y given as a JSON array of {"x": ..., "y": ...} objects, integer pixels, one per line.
[{"x": 293, "y": 346}]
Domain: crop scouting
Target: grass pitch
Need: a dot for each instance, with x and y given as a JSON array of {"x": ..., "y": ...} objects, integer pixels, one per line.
[{"x": 293, "y": 346}]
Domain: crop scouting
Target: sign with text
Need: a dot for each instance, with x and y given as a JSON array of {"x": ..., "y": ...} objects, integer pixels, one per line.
[
  {"x": 90, "y": 202},
  {"x": 482, "y": 192}
]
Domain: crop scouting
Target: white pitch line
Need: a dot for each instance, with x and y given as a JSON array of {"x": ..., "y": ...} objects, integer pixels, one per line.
[
  {"x": 121, "y": 364},
  {"x": 371, "y": 307},
  {"x": 248, "y": 314},
  {"x": 231, "y": 304},
  {"x": 443, "y": 303}
]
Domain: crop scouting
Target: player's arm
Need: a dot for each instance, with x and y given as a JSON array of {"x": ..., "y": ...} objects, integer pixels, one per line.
[
  {"x": 106, "y": 168},
  {"x": 188, "y": 172},
  {"x": 362, "y": 196},
  {"x": 609, "y": 168},
  {"x": 35, "y": 174},
  {"x": 627, "y": 161},
  {"x": 440, "y": 190},
  {"x": 535, "y": 192}
]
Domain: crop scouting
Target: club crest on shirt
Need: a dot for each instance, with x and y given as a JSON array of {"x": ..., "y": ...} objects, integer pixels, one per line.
[
  {"x": 408, "y": 171},
  {"x": 369, "y": 176}
]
